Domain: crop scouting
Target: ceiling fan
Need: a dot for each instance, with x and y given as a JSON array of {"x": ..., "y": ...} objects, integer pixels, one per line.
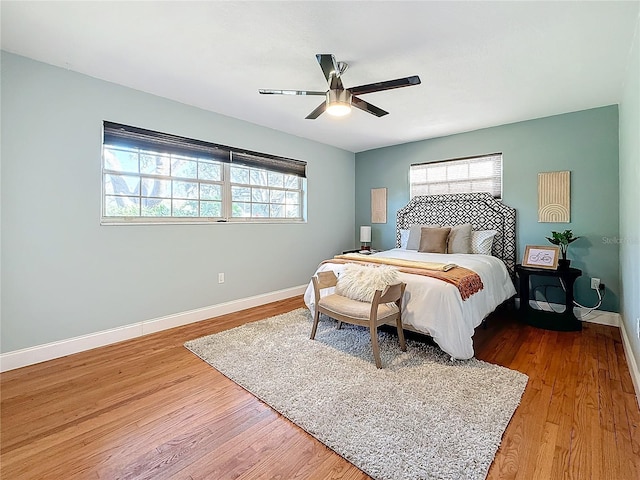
[{"x": 339, "y": 100}]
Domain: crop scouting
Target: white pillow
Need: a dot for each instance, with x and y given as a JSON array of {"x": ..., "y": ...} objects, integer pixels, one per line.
[
  {"x": 404, "y": 238},
  {"x": 360, "y": 282},
  {"x": 482, "y": 241}
]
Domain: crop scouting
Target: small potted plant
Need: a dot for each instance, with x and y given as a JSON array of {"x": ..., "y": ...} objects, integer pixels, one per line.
[{"x": 563, "y": 239}]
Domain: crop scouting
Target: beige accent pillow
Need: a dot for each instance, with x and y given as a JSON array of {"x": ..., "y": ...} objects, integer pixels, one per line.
[
  {"x": 415, "y": 233},
  {"x": 434, "y": 240},
  {"x": 460, "y": 239}
]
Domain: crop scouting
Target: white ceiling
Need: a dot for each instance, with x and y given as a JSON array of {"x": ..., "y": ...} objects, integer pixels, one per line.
[{"x": 481, "y": 63}]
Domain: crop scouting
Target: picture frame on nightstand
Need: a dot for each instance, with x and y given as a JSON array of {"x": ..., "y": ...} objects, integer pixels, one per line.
[{"x": 541, "y": 256}]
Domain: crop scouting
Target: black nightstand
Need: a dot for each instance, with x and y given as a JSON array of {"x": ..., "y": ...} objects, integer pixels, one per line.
[{"x": 565, "y": 321}]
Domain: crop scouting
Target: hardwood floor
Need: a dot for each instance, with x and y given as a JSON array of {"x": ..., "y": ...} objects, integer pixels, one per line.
[{"x": 149, "y": 409}]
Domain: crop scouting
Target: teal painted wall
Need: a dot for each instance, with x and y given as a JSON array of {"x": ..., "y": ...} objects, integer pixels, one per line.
[
  {"x": 65, "y": 275},
  {"x": 630, "y": 198},
  {"x": 586, "y": 143}
]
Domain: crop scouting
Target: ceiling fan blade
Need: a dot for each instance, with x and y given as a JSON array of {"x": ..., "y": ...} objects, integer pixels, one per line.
[
  {"x": 317, "y": 112},
  {"x": 289, "y": 92},
  {"x": 367, "y": 107},
  {"x": 328, "y": 65},
  {"x": 388, "y": 85}
]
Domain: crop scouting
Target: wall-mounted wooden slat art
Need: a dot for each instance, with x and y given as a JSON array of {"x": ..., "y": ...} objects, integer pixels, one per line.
[
  {"x": 378, "y": 205},
  {"x": 554, "y": 192}
]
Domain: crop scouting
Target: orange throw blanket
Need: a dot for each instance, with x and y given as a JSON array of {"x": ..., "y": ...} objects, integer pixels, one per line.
[{"x": 466, "y": 281}]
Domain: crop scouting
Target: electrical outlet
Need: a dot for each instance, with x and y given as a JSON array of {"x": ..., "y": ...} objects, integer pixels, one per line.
[
  {"x": 221, "y": 278},
  {"x": 595, "y": 283},
  {"x": 638, "y": 327}
]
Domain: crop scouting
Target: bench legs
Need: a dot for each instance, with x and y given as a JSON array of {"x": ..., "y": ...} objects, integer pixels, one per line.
[
  {"x": 403, "y": 344},
  {"x": 373, "y": 330},
  {"x": 374, "y": 344},
  {"x": 316, "y": 316},
  {"x": 374, "y": 340}
]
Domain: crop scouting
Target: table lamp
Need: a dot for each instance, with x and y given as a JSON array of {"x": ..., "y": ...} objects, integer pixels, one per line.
[{"x": 365, "y": 237}]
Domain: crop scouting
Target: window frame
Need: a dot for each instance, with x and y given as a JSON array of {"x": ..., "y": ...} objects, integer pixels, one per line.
[
  {"x": 139, "y": 141},
  {"x": 454, "y": 162}
]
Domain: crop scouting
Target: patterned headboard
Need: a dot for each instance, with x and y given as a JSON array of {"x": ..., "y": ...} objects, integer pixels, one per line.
[{"x": 481, "y": 210}]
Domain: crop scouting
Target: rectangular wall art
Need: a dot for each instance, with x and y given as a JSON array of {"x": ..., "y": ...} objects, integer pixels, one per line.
[
  {"x": 378, "y": 205},
  {"x": 554, "y": 192}
]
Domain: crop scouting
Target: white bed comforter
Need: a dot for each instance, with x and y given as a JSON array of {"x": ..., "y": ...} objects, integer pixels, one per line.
[{"x": 435, "y": 307}]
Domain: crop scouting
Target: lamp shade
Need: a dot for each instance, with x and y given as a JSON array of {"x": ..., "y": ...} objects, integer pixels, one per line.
[{"x": 365, "y": 234}]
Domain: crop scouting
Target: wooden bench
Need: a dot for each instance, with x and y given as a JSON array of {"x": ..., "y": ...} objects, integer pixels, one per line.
[{"x": 384, "y": 308}]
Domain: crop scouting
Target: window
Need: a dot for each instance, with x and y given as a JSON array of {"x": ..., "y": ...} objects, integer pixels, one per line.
[
  {"x": 460, "y": 175},
  {"x": 152, "y": 177}
]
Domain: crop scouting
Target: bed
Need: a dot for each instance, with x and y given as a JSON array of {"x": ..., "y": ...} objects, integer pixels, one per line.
[{"x": 436, "y": 308}]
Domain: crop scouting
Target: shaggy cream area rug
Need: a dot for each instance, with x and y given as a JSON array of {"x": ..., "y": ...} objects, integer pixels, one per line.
[{"x": 422, "y": 416}]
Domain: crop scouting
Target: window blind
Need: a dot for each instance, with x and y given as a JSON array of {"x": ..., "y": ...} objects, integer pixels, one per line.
[
  {"x": 461, "y": 175},
  {"x": 116, "y": 134},
  {"x": 133, "y": 137},
  {"x": 269, "y": 162}
]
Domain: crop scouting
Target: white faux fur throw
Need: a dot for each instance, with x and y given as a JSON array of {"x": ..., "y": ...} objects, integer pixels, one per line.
[{"x": 360, "y": 282}]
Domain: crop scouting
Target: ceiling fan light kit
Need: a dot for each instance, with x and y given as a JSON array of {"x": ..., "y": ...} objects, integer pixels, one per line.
[
  {"x": 339, "y": 100},
  {"x": 338, "y": 103}
]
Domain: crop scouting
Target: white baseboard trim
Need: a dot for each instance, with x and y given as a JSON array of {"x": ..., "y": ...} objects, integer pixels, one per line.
[
  {"x": 601, "y": 317},
  {"x": 598, "y": 316},
  {"x": 631, "y": 361},
  {"x": 61, "y": 348}
]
